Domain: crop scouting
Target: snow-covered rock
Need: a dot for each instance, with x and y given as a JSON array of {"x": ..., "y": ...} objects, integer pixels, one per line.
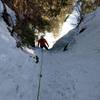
[{"x": 1, "y": 8}]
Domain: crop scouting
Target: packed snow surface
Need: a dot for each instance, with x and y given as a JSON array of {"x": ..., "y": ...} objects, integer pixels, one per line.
[{"x": 69, "y": 75}]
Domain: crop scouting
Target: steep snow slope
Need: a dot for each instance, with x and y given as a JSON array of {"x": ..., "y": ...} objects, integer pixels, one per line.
[
  {"x": 70, "y": 75},
  {"x": 74, "y": 74},
  {"x": 18, "y": 72}
]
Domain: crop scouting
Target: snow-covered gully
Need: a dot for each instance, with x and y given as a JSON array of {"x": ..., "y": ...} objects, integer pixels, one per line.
[
  {"x": 68, "y": 23},
  {"x": 70, "y": 75}
]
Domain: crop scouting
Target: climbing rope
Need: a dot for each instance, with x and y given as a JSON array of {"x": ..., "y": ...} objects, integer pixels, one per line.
[{"x": 40, "y": 75}]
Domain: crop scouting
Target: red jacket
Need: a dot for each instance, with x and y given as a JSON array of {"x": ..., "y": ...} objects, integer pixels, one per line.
[{"x": 42, "y": 42}]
